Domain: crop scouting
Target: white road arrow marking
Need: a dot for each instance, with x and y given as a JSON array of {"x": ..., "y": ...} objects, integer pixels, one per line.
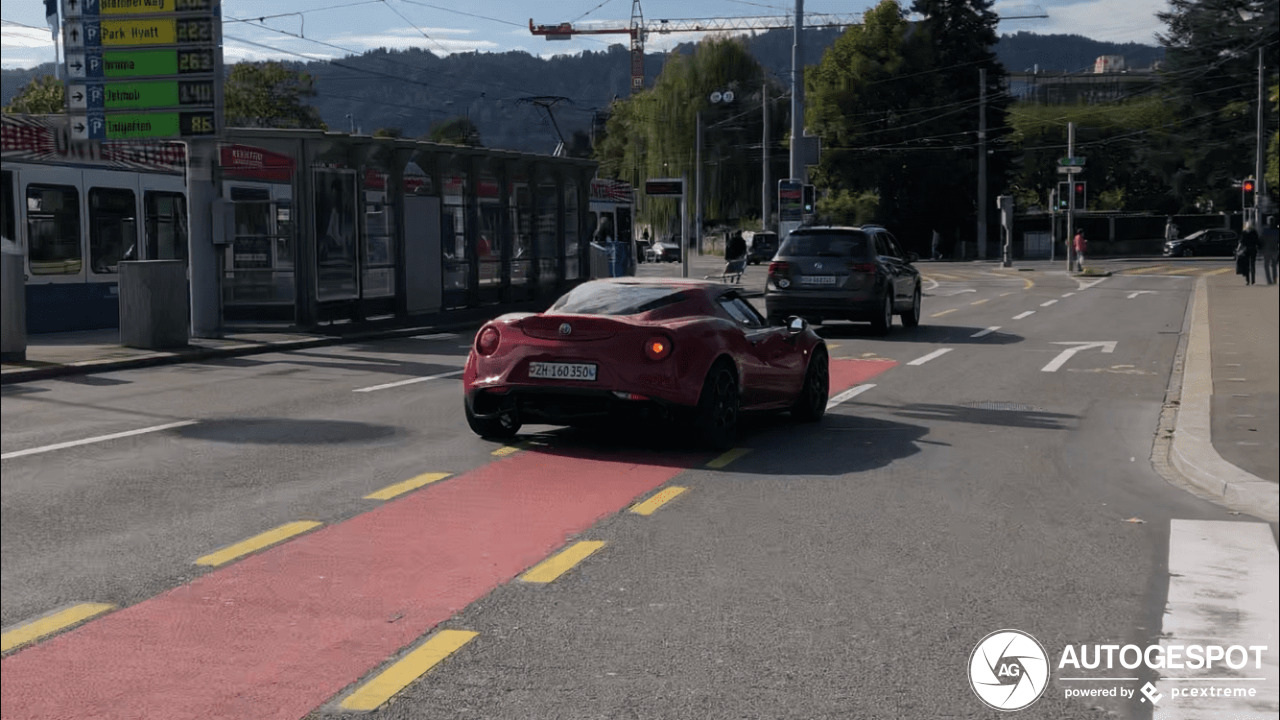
[
  {"x": 1133, "y": 295},
  {"x": 1084, "y": 285},
  {"x": 1108, "y": 346}
]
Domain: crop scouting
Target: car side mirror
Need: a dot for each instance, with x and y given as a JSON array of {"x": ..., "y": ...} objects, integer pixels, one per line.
[
  {"x": 796, "y": 325},
  {"x": 912, "y": 257}
]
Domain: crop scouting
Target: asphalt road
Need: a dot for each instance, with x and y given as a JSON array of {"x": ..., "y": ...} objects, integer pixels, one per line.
[{"x": 847, "y": 569}]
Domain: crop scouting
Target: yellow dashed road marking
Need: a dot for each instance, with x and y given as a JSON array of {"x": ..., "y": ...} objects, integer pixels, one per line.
[
  {"x": 657, "y": 500},
  {"x": 946, "y": 276},
  {"x": 1143, "y": 271},
  {"x": 1220, "y": 271},
  {"x": 401, "y": 488},
  {"x": 1182, "y": 271},
  {"x": 36, "y": 629},
  {"x": 404, "y": 671},
  {"x": 979, "y": 302},
  {"x": 728, "y": 457},
  {"x": 257, "y": 542},
  {"x": 944, "y": 312},
  {"x": 560, "y": 563}
]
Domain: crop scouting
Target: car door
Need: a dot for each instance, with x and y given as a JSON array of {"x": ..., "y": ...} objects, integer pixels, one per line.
[
  {"x": 906, "y": 278},
  {"x": 892, "y": 263},
  {"x": 767, "y": 365}
]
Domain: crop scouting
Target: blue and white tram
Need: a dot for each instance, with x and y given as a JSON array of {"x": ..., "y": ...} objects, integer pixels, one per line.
[{"x": 79, "y": 211}]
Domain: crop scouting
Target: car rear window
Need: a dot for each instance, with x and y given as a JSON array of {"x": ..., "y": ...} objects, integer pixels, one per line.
[
  {"x": 597, "y": 298},
  {"x": 843, "y": 244}
]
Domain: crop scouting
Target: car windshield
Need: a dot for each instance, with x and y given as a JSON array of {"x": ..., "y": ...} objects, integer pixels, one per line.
[
  {"x": 842, "y": 244},
  {"x": 1198, "y": 235},
  {"x": 598, "y": 298}
]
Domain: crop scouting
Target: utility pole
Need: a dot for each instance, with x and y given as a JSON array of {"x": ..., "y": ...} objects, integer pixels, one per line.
[
  {"x": 982, "y": 163},
  {"x": 1259, "y": 184},
  {"x": 764, "y": 153},
  {"x": 697, "y": 192},
  {"x": 1071, "y": 196},
  {"x": 797, "y": 94}
]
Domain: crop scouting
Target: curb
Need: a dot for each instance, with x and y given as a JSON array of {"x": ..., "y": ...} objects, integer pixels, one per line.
[
  {"x": 173, "y": 358},
  {"x": 1191, "y": 451}
]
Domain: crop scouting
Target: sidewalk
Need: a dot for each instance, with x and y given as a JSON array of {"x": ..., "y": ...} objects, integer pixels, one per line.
[
  {"x": 78, "y": 353},
  {"x": 1225, "y": 439}
]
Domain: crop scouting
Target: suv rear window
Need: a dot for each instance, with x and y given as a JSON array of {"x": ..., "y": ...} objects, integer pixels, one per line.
[
  {"x": 597, "y": 298},
  {"x": 818, "y": 244}
]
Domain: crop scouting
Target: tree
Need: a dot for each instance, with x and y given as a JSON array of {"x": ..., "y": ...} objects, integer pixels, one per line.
[
  {"x": 270, "y": 95},
  {"x": 1210, "y": 80},
  {"x": 42, "y": 96},
  {"x": 455, "y": 131},
  {"x": 389, "y": 132}
]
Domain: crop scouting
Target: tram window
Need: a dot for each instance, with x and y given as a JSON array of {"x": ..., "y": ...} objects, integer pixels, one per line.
[
  {"x": 9, "y": 210},
  {"x": 53, "y": 229},
  {"x": 113, "y": 228},
  {"x": 166, "y": 225}
]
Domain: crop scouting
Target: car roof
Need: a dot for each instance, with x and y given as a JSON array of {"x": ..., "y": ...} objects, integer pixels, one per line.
[{"x": 838, "y": 228}]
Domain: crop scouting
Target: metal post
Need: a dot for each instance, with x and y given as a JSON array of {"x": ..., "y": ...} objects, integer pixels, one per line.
[
  {"x": 982, "y": 163},
  {"x": 202, "y": 194},
  {"x": 1071, "y": 196},
  {"x": 797, "y": 94},
  {"x": 684, "y": 226},
  {"x": 697, "y": 183},
  {"x": 764, "y": 153}
]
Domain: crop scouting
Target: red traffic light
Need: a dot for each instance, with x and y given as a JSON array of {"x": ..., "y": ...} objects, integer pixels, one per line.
[
  {"x": 1248, "y": 186},
  {"x": 1079, "y": 187}
]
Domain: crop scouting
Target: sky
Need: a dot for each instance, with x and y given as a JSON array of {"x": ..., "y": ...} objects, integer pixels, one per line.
[{"x": 325, "y": 29}]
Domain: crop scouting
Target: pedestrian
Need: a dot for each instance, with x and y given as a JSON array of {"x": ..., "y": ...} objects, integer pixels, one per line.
[
  {"x": 1247, "y": 254},
  {"x": 1270, "y": 239},
  {"x": 1170, "y": 230},
  {"x": 1080, "y": 244},
  {"x": 937, "y": 245},
  {"x": 736, "y": 247}
]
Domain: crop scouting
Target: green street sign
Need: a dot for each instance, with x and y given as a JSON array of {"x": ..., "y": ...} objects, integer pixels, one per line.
[
  {"x": 1071, "y": 161},
  {"x": 113, "y": 64},
  {"x": 140, "y": 95},
  {"x": 130, "y": 126}
]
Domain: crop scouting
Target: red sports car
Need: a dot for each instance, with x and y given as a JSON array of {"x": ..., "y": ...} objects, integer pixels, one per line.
[{"x": 682, "y": 350}]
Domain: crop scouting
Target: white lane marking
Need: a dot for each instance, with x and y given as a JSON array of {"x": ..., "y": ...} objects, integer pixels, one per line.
[
  {"x": 1224, "y": 586},
  {"x": 988, "y": 331},
  {"x": 1082, "y": 285},
  {"x": 934, "y": 284},
  {"x": 930, "y": 356},
  {"x": 98, "y": 439},
  {"x": 849, "y": 394},
  {"x": 1136, "y": 293},
  {"x": 1047, "y": 303},
  {"x": 435, "y": 336},
  {"x": 410, "y": 381},
  {"x": 1107, "y": 346},
  {"x": 1065, "y": 295},
  {"x": 1025, "y": 314}
]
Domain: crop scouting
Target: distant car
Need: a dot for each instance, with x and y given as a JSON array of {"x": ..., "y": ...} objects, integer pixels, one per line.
[
  {"x": 687, "y": 351},
  {"x": 848, "y": 273},
  {"x": 665, "y": 251},
  {"x": 1203, "y": 242},
  {"x": 761, "y": 247}
]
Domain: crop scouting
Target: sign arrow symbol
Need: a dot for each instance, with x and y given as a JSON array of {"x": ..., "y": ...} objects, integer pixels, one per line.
[
  {"x": 78, "y": 96},
  {"x": 79, "y": 127},
  {"x": 1108, "y": 346}
]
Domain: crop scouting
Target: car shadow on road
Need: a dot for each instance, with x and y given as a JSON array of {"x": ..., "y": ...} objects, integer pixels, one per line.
[
  {"x": 982, "y": 413},
  {"x": 932, "y": 334},
  {"x": 285, "y": 431}
]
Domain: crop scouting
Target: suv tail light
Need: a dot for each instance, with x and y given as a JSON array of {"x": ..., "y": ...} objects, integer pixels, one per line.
[
  {"x": 657, "y": 347},
  {"x": 779, "y": 268},
  {"x": 487, "y": 340},
  {"x": 862, "y": 267}
]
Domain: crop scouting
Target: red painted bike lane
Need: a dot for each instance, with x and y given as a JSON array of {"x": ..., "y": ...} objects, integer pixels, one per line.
[{"x": 279, "y": 633}]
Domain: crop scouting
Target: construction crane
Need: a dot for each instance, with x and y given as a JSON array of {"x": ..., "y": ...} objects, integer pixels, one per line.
[{"x": 638, "y": 29}]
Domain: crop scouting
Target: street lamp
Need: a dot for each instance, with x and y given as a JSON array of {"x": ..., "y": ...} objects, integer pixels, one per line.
[{"x": 717, "y": 97}]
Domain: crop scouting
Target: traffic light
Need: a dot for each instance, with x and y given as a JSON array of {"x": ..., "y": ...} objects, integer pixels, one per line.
[
  {"x": 1078, "y": 196},
  {"x": 1246, "y": 193},
  {"x": 1062, "y": 199},
  {"x": 807, "y": 200}
]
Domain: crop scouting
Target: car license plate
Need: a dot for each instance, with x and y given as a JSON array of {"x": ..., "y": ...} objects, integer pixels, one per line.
[
  {"x": 562, "y": 371},
  {"x": 818, "y": 280}
]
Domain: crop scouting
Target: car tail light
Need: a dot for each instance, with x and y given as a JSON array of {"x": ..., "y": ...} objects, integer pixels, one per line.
[
  {"x": 862, "y": 267},
  {"x": 779, "y": 268},
  {"x": 487, "y": 340},
  {"x": 657, "y": 347}
]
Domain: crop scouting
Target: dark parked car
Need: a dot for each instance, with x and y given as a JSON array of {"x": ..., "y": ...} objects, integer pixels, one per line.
[
  {"x": 665, "y": 251},
  {"x": 849, "y": 273},
  {"x": 761, "y": 247},
  {"x": 1203, "y": 242}
]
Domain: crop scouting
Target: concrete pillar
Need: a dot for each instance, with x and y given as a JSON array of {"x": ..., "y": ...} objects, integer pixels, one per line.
[
  {"x": 13, "y": 305},
  {"x": 153, "y": 304}
]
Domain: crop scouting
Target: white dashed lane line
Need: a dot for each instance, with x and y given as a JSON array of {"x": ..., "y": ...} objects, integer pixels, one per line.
[
  {"x": 98, "y": 439},
  {"x": 410, "y": 381},
  {"x": 1048, "y": 303},
  {"x": 926, "y": 358},
  {"x": 983, "y": 333},
  {"x": 1025, "y": 314},
  {"x": 849, "y": 394}
]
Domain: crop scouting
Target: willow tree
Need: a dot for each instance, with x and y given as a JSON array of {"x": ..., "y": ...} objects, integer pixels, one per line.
[{"x": 653, "y": 134}]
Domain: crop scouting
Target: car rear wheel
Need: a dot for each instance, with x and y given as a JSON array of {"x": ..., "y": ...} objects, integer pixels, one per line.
[
  {"x": 1188, "y": 252},
  {"x": 884, "y": 321},
  {"x": 503, "y": 427},
  {"x": 811, "y": 405},
  {"x": 911, "y": 318},
  {"x": 716, "y": 421}
]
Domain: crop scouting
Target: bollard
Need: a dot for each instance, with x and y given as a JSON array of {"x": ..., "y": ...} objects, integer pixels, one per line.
[
  {"x": 13, "y": 298},
  {"x": 154, "y": 312}
]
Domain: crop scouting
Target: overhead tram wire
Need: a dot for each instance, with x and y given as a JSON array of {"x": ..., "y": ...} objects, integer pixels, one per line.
[{"x": 415, "y": 27}]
